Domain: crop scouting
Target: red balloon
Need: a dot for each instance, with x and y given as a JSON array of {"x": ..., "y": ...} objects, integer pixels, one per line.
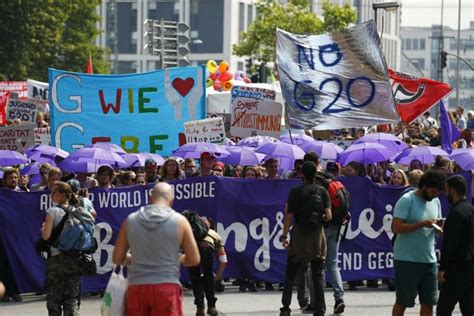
[
  {"x": 213, "y": 76},
  {"x": 225, "y": 76},
  {"x": 247, "y": 80}
]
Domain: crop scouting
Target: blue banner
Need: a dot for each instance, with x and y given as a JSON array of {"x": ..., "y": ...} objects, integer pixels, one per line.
[
  {"x": 249, "y": 217},
  {"x": 335, "y": 80},
  {"x": 141, "y": 112}
]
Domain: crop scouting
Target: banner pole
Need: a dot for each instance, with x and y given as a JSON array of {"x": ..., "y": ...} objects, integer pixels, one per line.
[{"x": 288, "y": 124}]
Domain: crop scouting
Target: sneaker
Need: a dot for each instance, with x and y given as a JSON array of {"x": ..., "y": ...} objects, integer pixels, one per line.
[
  {"x": 5, "y": 299},
  {"x": 213, "y": 311},
  {"x": 242, "y": 288},
  {"x": 253, "y": 288},
  {"x": 200, "y": 312},
  {"x": 281, "y": 287},
  {"x": 309, "y": 309},
  {"x": 268, "y": 286},
  {"x": 285, "y": 311},
  {"x": 339, "y": 306}
]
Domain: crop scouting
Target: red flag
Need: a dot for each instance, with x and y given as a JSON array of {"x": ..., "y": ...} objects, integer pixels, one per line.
[
  {"x": 415, "y": 95},
  {"x": 89, "y": 69},
  {"x": 4, "y": 96}
]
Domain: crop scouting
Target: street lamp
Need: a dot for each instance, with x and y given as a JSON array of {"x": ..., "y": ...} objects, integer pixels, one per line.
[{"x": 386, "y": 6}]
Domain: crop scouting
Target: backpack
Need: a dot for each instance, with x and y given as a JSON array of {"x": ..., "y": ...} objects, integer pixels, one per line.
[
  {"x": 339, "y": 199},
  {"x": 311, "y": 215},
  {"x": 77, "y": 236},
  {"x": 198, "y": 226}
]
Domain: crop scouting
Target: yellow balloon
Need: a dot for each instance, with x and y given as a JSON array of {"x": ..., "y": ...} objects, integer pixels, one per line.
[
  {"x": 223, "y": 67},
  {"x": 211, "y": 66}
]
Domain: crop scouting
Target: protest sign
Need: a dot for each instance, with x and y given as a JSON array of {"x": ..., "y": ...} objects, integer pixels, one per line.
[
  {"x": 4, "y": 99},
  {"x": 42, "y": 136},
  {"x": 210, "y": 130},
  {"x": 254, "y": 112},
  {"x": 152, "y": 106},
  {"x": 38, "y": 90},
  {"x": 250, "y": 228},
  {"x": 20, "y": 88},
  {"x": 335, "y": 80},
  {"x": 344, "y": 144},
  {"x": 22, "y": 110},
  {"x": 17, "y": 137}
]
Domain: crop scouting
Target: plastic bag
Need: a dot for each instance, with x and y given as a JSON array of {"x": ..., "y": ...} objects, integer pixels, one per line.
[{"x": 114, "y": 299}]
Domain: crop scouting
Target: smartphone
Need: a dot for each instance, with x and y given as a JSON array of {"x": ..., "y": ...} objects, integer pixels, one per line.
[{"x": 437, "y": 228}]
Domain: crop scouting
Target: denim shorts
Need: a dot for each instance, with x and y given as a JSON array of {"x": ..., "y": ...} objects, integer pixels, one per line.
[{"x": 416, "y": 278}]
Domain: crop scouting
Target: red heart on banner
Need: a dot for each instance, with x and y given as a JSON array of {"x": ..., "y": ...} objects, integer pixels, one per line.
[{"x": 183, "y": 86}]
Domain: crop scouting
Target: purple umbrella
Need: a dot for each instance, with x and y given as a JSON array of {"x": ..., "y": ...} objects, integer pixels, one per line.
[
  {"x": 109, "y": 146},
  {"x": 99, "y": 156},
  {"x": 365, "y": 153},
  {"x": 390, "y": 141},
  {"x": 281, "y": 150},
  {"x": 256, "y": 141},
  {"x": 298, "y": 139},
  {"x": 194, "y": 150},
  {"x": 464, "y": 158},
  {"x": 139, "y": 159},
  {"x": 11, "y": 158},
  {"x": 425, "y": 154},
  {"x": 46, "y": 150},
  {"x": 325, "y": 150},
  {"x": 83, "y": 165},
  {"x": 244, "y": 156},
  {"x": 229, "y": 142},
  {"x": 31, "y": 169}
]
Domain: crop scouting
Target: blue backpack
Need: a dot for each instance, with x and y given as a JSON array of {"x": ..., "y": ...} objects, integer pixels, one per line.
[{"x": 77, "y": 235}]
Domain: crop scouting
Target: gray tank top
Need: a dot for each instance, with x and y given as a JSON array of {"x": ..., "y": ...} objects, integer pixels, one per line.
[{"x": 155, "y": 250}]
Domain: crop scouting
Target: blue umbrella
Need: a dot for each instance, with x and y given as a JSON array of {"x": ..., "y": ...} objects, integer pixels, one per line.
[
  {"x": 298, "y": 139},
  {"x": 390, "y": 141},
  {"x": 194, "y": 150},
  {"x": 256, "y": 141},
  {"x": 99, "y": 156},
  {"x": 108, "y": 146},
  {"x": 139, "y": 159}
]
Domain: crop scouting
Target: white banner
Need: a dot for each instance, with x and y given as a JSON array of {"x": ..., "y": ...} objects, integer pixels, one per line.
[
  {"x": 211, "y": 130},
  {"x": 17, "y": 137},
  {"x": 38, "y": 90},
  {"x": 255, "y": 112}
]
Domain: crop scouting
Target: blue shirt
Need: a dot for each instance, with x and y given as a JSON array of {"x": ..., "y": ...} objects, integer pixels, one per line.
[{"x": 419, "y": 245}]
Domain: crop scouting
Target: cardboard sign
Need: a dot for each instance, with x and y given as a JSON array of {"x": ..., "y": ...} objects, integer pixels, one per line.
[
  {"x": 42, "y": 136},
  {"x": 17, "y": 137},
  {"x": 211, "y": 130},
  {"x": 24, "y": 111},
  {"x": 254, "y": 112}
]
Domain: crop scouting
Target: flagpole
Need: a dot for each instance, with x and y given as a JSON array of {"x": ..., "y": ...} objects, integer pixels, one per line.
[{"x": 288, "y": 123}]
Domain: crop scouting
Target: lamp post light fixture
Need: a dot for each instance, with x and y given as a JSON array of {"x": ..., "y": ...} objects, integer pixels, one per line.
[{"x": 386, "y": 6}]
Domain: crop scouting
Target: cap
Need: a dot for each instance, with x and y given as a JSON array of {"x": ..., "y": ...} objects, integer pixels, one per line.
[
  {"x": 75, "y": 185},
  {"x": 150, "y": 162},
  {"x": 205, "y": 155},
  {"x": 218, "y": 164}
]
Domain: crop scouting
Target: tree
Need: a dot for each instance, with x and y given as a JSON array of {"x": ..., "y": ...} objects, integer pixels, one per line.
[
  {"x": 295, "y": 17},
  {"x": 35, "y": 35}
]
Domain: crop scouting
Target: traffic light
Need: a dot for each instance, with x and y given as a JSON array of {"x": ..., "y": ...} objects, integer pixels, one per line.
[
  {"x": 248, "y": 66},
  {"x": 444, "y": 59}
]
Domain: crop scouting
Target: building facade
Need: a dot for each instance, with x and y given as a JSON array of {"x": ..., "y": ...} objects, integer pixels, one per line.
[
  {"x": 421, "y": 48},
  {"x": 215, "y": 25},
  {"x": 388, "y": 25}
]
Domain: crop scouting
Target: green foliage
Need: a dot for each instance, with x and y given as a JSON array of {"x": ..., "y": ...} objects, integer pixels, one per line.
[
  {"x": 296, "y": 17},
  {"x": 37, "y": 34}
]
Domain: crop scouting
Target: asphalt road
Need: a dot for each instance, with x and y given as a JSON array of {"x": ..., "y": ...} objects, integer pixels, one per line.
[{"x": 363, "y": 302}]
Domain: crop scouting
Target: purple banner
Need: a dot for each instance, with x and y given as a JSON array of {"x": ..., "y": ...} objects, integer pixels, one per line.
[{"x": 249, "y": 217}]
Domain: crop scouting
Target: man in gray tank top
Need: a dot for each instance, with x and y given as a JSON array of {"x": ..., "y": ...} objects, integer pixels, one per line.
[{"x": 159, "y": 240}]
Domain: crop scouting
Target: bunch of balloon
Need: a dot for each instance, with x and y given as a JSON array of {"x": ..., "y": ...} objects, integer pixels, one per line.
[{"x": 220, "y": 78}]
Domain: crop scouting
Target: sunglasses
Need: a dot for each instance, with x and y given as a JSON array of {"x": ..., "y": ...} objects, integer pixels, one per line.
[{"x": 217, "y": 170}]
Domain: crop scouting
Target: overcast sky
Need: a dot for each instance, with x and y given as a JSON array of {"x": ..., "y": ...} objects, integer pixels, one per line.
[{"x": 428, "y": 12}]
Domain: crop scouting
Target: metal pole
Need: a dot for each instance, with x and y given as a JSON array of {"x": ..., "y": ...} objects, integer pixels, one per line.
[
  {"x": 162, "y": 43},
  {"x": 458, "y": 76}
]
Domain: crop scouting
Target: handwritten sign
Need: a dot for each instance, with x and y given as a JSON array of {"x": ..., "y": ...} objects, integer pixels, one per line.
[
  {"x": 42, "y": 136},
  {"x": 17, "y": 137},
  {"x": 38, "y": 90},
  {"x": 23, "y": 111},
  {"x": 254, "y": 112},
  {"x": 211, "y": 130},
  {"x": 141, "y": 112},
  {"x": 18, "y": 87},
  {"x": 335, "y": 80}
]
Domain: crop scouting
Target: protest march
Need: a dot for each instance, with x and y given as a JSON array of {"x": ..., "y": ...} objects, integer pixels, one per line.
[{"x": 133, "y": 167}]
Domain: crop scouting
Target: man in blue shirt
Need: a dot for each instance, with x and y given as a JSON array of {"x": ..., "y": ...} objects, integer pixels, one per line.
[{"x": 414, "y": 249}]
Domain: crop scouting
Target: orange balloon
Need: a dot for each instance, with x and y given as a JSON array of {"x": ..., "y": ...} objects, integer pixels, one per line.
[{"x": 223, "y": 66}]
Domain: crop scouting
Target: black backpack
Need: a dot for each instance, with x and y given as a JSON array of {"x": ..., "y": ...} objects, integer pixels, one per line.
[
  {"x": 198, "y": 226},
  {"x": 311, "y": 215},
  {"x": 339, "y": 199}
]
